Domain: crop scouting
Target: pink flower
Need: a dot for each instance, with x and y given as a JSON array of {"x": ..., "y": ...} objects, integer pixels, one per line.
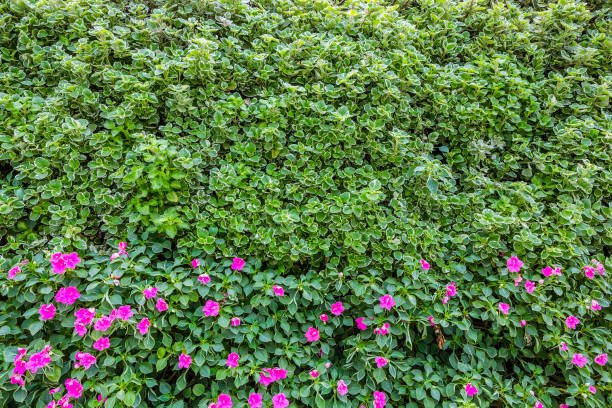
[
  {"x": 518, "y": 280},
  {"x": 84, "y": 359},
  {"x": 523, "y": 323},
  {"x": 386, "y": 302},
  {"x": 278, "y": 291},
  {"x": 235, "y": 321},
  {"x": 204, "y": 279},
  {"x": 382, "y": 330},
  {"x": 195, "y": 263},
  {"x": 143, "y": 326},
  {"x": 592, "y": 389},
  {"x": 85, "y": 316},
  {"x": 431, "y": 320},
  {"x": 73, "y": 388},
  {"x": 547, "y": 271},
  {"x": 538, "y": 405},
  {"x": 67, "y": 295},
  {"x": 599, "y": 267},
  {"x": 54, "y": 390},
  {"x": 602, "y": 359},
  {"x": 38, "y": 360},
  {"x": 255, "y": 400},
  {"x": 323, "y": 317},
  {"x": 150, "y": 292},
  {"x": 13, "y": 272},
  {"x": 80, "y": 329},
  {"x": 280, "y": 401},
  {"x": 360, "y": 324},
  {"x": 424, "y": 264},
  {"x": 58, "y": 263},
  {"x": 380, "y": 399},
  {"x": 184, "y": 361},
  {"x": 563, "y": 406},
  {"x": 71, "y": 260},
  {"x": 381, "y": 361},
  {"x": 337, "y": 308},
  {"x": 102, "y": 344},
  {"x": 579, "y": 360},
  {"x": 224, "y": 401},
  {"x": 211, "y": 308},
  {"x": 589, "y": 271},
  {"x": 327, "y": 365},
  {"x": 529, "y": 286},
  {"x": 269, "y": 375},
  {"x": 232, "y": 360},
  {"x": 122, "y": 246},
  {"x": 238, "y": 264},
  {"x": 342, "y": 388},
  {"x": 571, "y": 322},
  {"x": 557, "y": 271},
  {"x": 100, "y": 398},
  {"x": 450, "y": 290},
  {"x": 161, "y": 305},
  {"x": 125, "y": 312},
  {"x": 103, "y": 323},
  {"x": 16, "y": 379},
  {"x": 470, "y": 389},
  {"x": 47, "y": 311},
  {"x": 314, "y": 373},
  {"x": 563, "y": 346},
  {"x": 312, "y": 334},
  {"x": 595, "y": 306},
  {"x": 504, "y": 307},
  {"x": 514, "y": 264}
]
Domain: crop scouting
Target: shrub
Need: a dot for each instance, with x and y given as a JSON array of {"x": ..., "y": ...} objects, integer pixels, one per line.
[
  {"x": 338, "y": 137},
  {"x": 514, "y": 359}
]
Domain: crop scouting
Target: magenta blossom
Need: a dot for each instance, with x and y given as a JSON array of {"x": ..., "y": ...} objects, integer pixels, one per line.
[
  {"x": 238, "y": 264},
  {"x": 255, "y": 400},
  {"x": 184, "y": 361},
  {"x": 360, "y": 324},
  {"x": 195, "y": 263},
  {"x": 161, "y": 305},
  {"x": 337, "y": 308},
  {"x": 579, "y": 360},
  {"x": 204, "y": 278},
  {"x": 80, "y": 329},
  {"x": 504, "y": 307},
  {"x": 280, "y": 401},
  {"x": 599, "y": 267},
  {"x": 150, "y": 292},
  {"x": 563, "y": 346},
  {"x": 232, "y": 360},
  {"x": 523, "y": 323},
  {"x": 538, "y": 405},
  {"x": 514, "y": 264},
  {"x": 224, "y": 401},
  {"x": 278, "y": 291},
  {"x": 595, "y": 306},
  {"x": 602, "y": 359},
  {"x": 54, "y": 390},
  {"x": 73, "y": 388},
  {"x": 323, "y": 317},
  {"x": 67, "y": 295},
  {"x": 386, "y": 302},
  {"x": 589, "y": 271},
  {"x": 39, "y": 360},
  {"x": 47, "y": 311},
  {"x": 13, "y": 272},
  {"x": 381, "y": 361},
  {"x": 102, "y": 343},
  {"x": 431, "y": 320},
  {"x": 235, "y": 321},
  {"x": 571, "y": 322},
  {"x": 547, "y": 271},
  {"x": 85, "y": 316},
  {"x": 143, "y": 326},
  {"x": 125, "y": 312},
  {"x": 384, "y": 329},
  {"x": 312, "y": 334},
  {"x": 530, "y": 286},
  {"x": 470, "y": 389},
  {"x": 270, "y": 375},
  {"x": 84, "y": 359},
  {"x": 424, "y": 264},
  {"x": 314, "y": 373},
  {"x": 592, "y": 389},
  {"x": 342, "y": 388},
  {"x": 103, "y": 323},
  {"x": 211, "y": 308},
  {"x": 380, "y": 399},
  {"x": 518, "y": 280}
]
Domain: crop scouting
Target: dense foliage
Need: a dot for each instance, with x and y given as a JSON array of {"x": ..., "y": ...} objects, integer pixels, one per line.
[
  {"x": 519, "y": 341},
  {"x": 311, "y": 138}
]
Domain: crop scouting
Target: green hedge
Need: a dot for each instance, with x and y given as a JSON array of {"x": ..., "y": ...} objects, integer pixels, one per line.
[{"x": 337, "y": 136}]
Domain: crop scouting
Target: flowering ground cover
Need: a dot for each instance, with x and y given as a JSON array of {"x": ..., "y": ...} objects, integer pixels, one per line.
[{"x": 305, "y": 203}]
